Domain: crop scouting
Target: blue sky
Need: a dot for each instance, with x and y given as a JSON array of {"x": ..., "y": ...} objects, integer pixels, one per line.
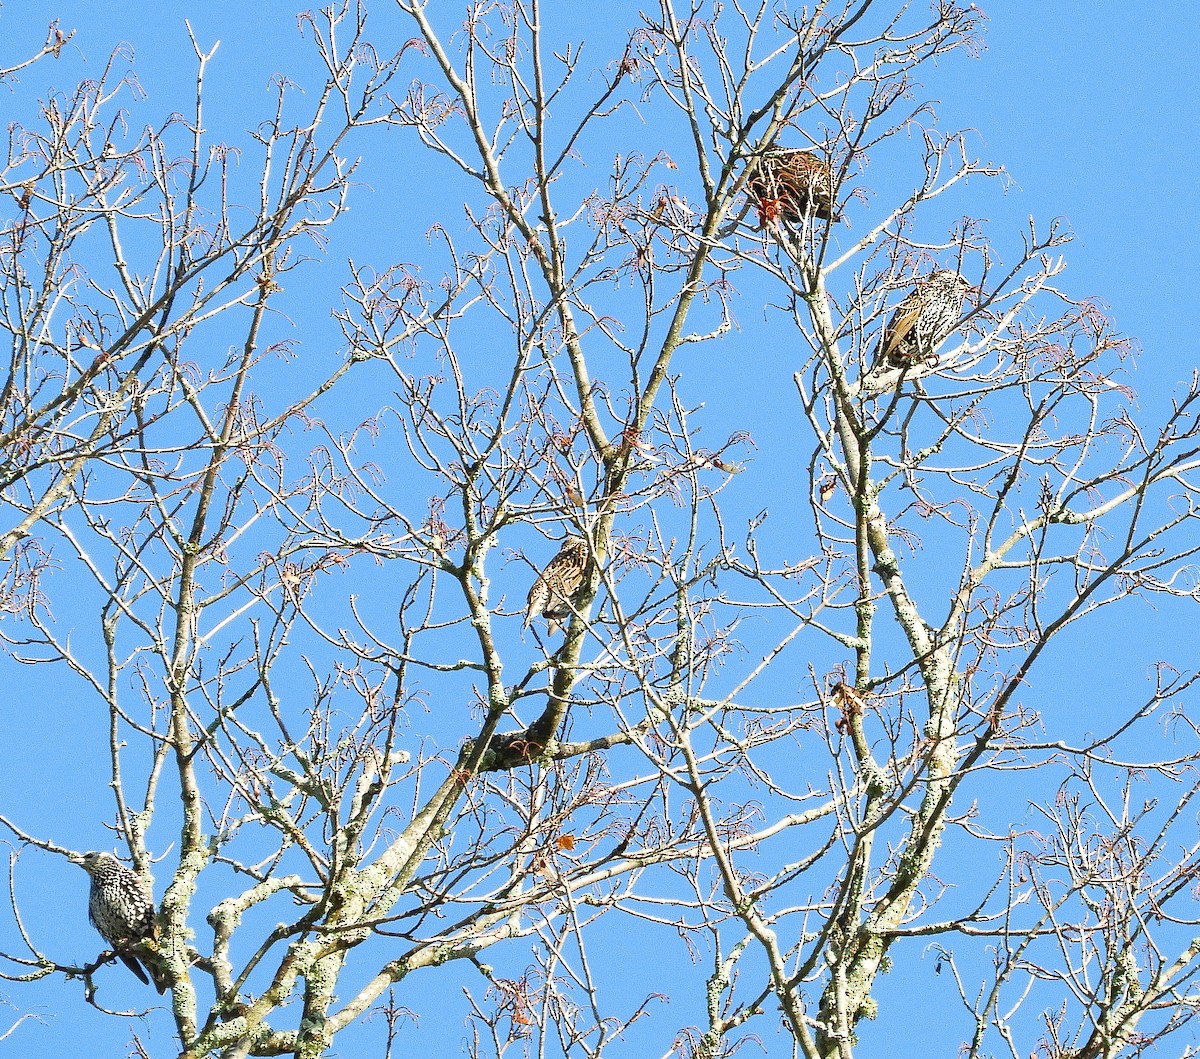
[{"x": 1089, "y": 105}]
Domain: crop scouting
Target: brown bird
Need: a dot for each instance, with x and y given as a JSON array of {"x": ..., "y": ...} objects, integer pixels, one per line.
[
  {"x": 555, "y": 593},
  {"x": 120, "y": 909},
  {"x": 924, "y": 319},
  {"x": 789, "y": 184}
]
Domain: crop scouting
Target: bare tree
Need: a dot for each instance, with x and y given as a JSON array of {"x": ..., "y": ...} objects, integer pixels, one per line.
[{"x": 298, "y": 572}]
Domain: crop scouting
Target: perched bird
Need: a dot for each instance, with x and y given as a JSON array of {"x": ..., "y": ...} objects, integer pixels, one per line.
[
  {"x": 790, "y": 184},
  {"x": 556, "y": 589},
  {"x": 119, "y": 908},
  {"x": 926, "y": 316}
]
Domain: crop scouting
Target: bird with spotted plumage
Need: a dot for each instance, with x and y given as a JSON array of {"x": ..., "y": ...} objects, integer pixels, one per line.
[
  {"x": 924, "y": 319},
  {"x": 120, "y": 909},
  {"x": 790, "y": 184},
  {"x": 555, "y": 593}
]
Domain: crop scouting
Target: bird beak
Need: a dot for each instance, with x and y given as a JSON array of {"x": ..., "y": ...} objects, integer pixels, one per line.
[{"x": 75, "y": 858}]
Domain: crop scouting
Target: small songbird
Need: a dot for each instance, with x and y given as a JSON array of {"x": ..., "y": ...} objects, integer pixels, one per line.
[
  {"x": 556, "y": 590},
  {"x": 120, "y": 909},
  {"x": 926, "y": 316},
  {"x": 789, "y": 184}
]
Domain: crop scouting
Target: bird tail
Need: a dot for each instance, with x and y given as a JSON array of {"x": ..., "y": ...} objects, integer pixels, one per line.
[
  {"x": 132, "y": 963},
  {"x": 160, "y": 979},
  {"x": 147, "y": 970}
]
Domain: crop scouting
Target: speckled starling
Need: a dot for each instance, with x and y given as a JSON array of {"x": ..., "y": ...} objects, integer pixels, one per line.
[
  {"x": 556, "y": 590},
  {"x": 924, "y": 318},
  {"x": 790, "y": 184},
  {"x": 119, "y": 908}
]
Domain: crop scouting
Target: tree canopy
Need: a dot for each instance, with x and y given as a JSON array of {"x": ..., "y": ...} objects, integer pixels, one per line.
[{"x": 589, "y": 537}]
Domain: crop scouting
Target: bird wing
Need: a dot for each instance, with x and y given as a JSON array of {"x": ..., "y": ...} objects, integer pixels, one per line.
[
  {"x": 899, "y": 328},
  {"x": 814, "y": 179},
  {"x": 536, "y": 601}
]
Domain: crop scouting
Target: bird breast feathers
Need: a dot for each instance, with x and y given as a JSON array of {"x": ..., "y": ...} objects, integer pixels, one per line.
[{"x": 558, "y": 583}]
